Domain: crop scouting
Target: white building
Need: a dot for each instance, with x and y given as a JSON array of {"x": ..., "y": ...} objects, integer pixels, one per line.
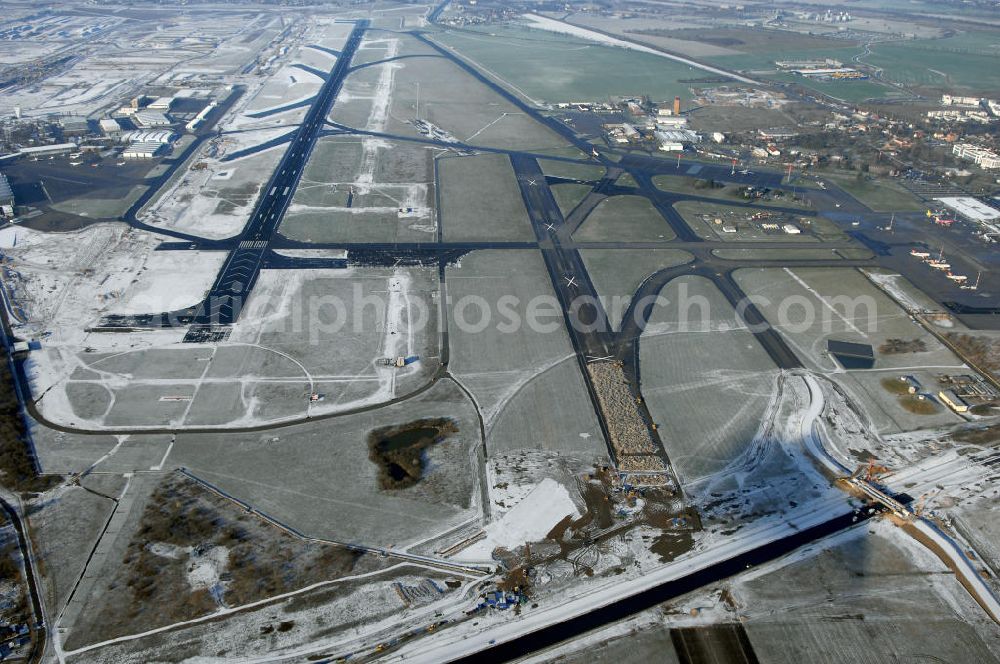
[
  {"x": 981, "y": 156},
  {"x": 677, "y": 136},
  {"x": 161, "y": 136},
  {"x": 718, "y": 137},
  {"x": 971, "y": 208},
  {"x": 110, "y": 127},
  {"x": 951, "y": 100},
  {"x": 53, "y": 149},
  {"x": 964, "y": 115},
  {"x": 671, "y": 122}
]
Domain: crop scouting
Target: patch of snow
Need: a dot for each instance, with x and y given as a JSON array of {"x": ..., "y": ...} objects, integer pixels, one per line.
[
  {"x": 171, "y": 280},
  {"x": 530, "y": 521},
  {"x": 207, "y": 567},
  {"x": 553, "y": 25}
]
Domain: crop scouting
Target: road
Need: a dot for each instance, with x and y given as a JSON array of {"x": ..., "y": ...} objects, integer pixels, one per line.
[
  {"x": 542, "y": 628},
  {"x": 39, "y": 627}
]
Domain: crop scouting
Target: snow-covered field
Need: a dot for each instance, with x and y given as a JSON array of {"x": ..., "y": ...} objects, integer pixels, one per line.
[
  {"x": 552, "y": 25},
  {"x": 171, "y": 280}
]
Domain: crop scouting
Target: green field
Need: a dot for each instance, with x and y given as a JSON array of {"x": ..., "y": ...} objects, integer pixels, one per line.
[
  {"x": 764, "y": 60},
  {"x": 846, "y": 90},
  {"x": 556, "y": 68},
  {"x": 624, "y": 219},
  {"x": 566, "y": 169},
  {"x": 685, "y": 184},
  {"x": 969, "y": 61},
  {"x": 569, "y": 195},
  {"x": 879, "y": 195},
  {"x": 755, "y": 40}
]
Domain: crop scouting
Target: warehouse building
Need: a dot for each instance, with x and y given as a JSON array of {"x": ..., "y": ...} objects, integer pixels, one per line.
[
  {"x": 146, "y": 119},
  {"x": 953, "y": 401},
  {"x": 47, "y": 150},
  {"x": 143, "y": 150},
  {"x": 110, "y": 127},
  {"x": 971, "y": 208},
  {"x": 74, "y": 126},
  {"x": 162, "y": 136},
  {"x": 161, "y": 104}
]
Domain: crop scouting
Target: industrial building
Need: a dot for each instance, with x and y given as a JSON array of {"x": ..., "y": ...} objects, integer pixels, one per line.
[
  {"x": 953, "y": 401},
  {"x": 73, "y": 126},
  {"x": 162, "y": 136},
  {"x": 836, "y": 73},
  {"x": 110, "y": 127},
  {"x": 671, "y": 122},
  {"x": 198, "y": 119},
  {"x": 794, "y": 65},
  {"x": 777, "y": 134},
  {"x": 143, "y": 150},
  {"x": 677, "y": 136},
  {"x": 46, "y": 150},
  {"x": 971, "y": 208},
  {"x": 146, "y": 119},
  {"x": 161, "y": 104}
]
